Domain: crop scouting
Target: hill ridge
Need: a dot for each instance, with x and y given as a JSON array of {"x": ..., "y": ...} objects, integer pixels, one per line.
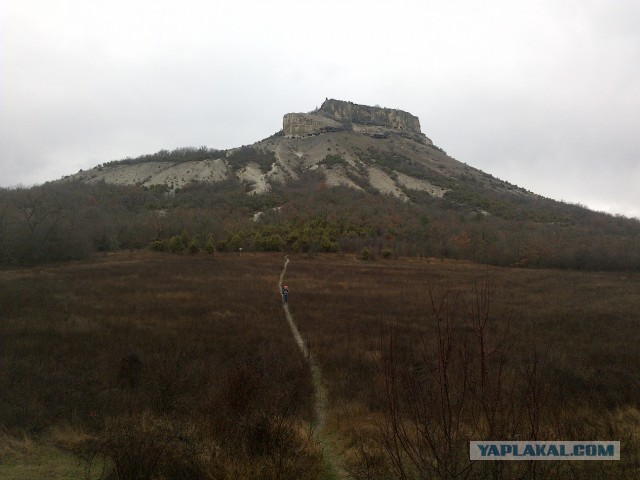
[
  {"x": 341, "y": 190},
  {"x": 360, "y": 147}
]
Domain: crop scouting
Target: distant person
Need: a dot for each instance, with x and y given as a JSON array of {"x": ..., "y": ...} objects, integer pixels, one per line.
[{"x": 285, "y": 294}]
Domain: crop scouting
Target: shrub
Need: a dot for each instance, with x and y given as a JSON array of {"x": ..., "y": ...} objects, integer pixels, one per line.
[
  {"x": 331, "y": 160},
  {"x": 158, "y": 246},
  {"x": 273, "y": 244},
  {"x": 210, "y": 247},
  {"x": 258, "y": 427},
  {"x": 244, "y": 155},
  {"x": 148, "y": 448},
  {"x": 328, "y": 244},
  {"x": 365, "y": 254},
  {"x": 222, "y": 246},
  {"x": 194, "y": 247},
  {"x": 176, "y": 245}
]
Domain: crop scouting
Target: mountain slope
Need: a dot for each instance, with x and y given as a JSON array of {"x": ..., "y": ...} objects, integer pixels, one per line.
[
  {"x": 343, "y": 178},
  {"x": 364, "y": 148}
]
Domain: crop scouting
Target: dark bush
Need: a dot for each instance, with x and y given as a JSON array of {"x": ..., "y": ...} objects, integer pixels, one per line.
[{"x": 151, "y": 448}]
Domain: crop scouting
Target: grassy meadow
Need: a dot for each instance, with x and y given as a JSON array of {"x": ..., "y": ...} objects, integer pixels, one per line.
[{"x": 148, "y": 365}]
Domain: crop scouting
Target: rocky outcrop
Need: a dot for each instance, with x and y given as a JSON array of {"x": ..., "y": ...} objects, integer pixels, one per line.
[
  {"x": 303, "y": 124},
  {"x": 336, "y": 115},
  {"x": 348, "y": 112},
  {"x": 374, "y": 147}
]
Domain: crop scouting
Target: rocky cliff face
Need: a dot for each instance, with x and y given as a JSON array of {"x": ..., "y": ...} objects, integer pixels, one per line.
[
  {"x": 336, "y": 115},
  {"x": 348, "y": 112},
  {"x": 350, "y": 145},
  {"x": 303, "y": 124}
]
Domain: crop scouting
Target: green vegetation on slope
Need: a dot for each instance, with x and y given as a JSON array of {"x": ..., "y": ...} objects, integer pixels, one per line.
[
  {"x": 62, "y": 221},
  {"x": 244, "y": 155},
  {"x": 178, "y": 155}
]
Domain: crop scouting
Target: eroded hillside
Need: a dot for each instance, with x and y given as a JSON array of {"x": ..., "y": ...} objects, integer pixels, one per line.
[
  {"x": 360, "y": 147},
  {"x": 343, "y": 178}
]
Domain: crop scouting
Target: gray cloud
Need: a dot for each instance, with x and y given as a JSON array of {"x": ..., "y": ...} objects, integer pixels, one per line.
[{"x": 543, "y": 94}]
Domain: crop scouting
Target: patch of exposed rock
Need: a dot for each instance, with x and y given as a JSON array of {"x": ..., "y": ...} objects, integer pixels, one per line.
[
  {"x": 175, "y": 175},
  {"x": 411, "y": 183},
  {"x": 350, "y": 145},
  {"x": 337, "y": 115},
  {"x": 348, "y": 112},
  {"x": 302, "y": 124}
]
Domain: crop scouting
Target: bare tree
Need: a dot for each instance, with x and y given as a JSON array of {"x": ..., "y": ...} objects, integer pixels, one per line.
[{"x": 459, "y": 386}]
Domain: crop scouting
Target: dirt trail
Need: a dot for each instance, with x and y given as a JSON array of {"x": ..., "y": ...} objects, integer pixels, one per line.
[{"x": 320, "y": 393}]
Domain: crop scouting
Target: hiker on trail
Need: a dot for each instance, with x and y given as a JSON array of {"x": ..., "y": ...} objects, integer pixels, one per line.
[{"x": 285, "y": 294}]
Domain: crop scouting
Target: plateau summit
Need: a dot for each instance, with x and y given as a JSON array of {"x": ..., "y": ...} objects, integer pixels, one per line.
[
  {"x": 341, "y": 178},
  {"x": 361, "y": 147}
]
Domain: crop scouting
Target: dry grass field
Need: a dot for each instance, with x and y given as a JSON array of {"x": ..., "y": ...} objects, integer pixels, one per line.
[
  {"x": 149, "y": 365},
  {"x": 567, "y": 339}
]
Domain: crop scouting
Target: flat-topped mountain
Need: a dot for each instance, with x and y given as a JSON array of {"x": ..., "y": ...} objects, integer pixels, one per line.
[
  {"x": 336, "y": 115},
  {"x": 341, "y": 178},
  {"x": 357, "y": 146}
]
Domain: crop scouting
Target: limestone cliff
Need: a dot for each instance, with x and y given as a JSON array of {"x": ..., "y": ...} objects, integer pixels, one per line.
[
  {"x": 349, "y": 112},
  {"x": 350, "y": 145},
  {"x": 302, "y": 124},
  {"x": 336, "y": 115}
]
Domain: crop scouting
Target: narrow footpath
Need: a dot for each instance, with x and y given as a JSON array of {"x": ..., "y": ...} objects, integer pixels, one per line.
[{"x": 320, "y": 393}]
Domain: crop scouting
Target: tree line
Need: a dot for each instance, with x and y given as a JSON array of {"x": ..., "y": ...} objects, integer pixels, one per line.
[{"x": 70, "y": 220}]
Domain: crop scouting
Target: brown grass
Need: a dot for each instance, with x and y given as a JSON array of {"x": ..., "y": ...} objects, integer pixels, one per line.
[
  {"x": 580, "y": 327},
  {"x": 583, "y": 323},
  {"x": 199, "y": 345},
  {"x": 105, "y": 342}
]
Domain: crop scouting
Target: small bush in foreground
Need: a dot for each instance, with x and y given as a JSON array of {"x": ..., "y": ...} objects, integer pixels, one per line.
[{"x": 148, "y": 448}]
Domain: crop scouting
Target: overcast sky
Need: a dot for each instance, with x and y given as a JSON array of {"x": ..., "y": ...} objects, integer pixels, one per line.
[{"x": 542, "y": 93}]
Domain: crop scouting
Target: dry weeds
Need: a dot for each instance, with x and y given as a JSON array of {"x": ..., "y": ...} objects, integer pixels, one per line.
[{"x": 87, "y": 343}]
